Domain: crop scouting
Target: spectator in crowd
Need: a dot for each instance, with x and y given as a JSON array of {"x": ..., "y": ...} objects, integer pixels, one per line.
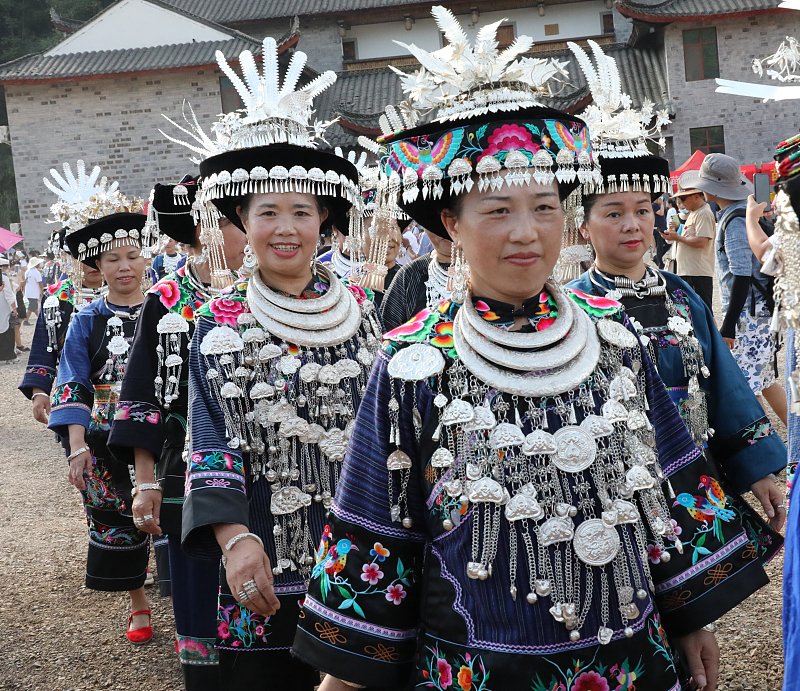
[
  {"x": 660, "y": 211},
  {"x": 694, "y": 246},
  {"x": 746, "y": 292},
  {"x": 166, "y": 262},
  {"x": 33, "y": 287},
  {"x": 410, "y": 247},
  {"x": 8, "y": 311},
  {"x": 425, "y": 244}
]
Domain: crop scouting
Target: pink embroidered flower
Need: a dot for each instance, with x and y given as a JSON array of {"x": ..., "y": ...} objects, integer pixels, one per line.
[
  {"x": 222, "y": 630},
  {"x": 596, "y": 301},
  {"x": 415, "y": 324},
  {"x": 508, "y": 138},
  {"x": 228, "y": 461},
  {"x": 153, "y": 417},
  {"x": 260, "y": 630},
  {"x": 169, "y": 292},
  {"x": 590, "y": 681},
  {"x": 396, "y": 594},
  {"x": 445, "y": 673},
  {"x": 226, "y": 310},
  {"x": 654, "y": 554},
  {"x": 371, "y": 573},
  {"x": 53, "y": 289},
  {"x": 676, "y": 529},
  {"x": 358, "y": 292},
  {"x": 122, "y": 413}
]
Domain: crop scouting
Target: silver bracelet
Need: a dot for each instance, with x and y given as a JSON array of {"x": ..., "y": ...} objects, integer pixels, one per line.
[
  {"x": 144, "y": 486},
  {"x": 711, "y": 628},
  {"x": 77, "y": 453},
  {"x": 40, "y": 393},
  {"x": 230, "y": 544}
]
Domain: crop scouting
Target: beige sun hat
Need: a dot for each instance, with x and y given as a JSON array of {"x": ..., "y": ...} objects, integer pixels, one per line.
[{"x": 720, "y": 176}]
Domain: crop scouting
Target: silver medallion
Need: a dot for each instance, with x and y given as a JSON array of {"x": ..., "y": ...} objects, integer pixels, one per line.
[
  {"x": 539, "y": 442},
  {"x": 505, "y": 435},
  {"x": 523, "y": 506},
  {"x": 457, "y": 412},
  {"x": 484, "y": 419},
  {"x": 398, "y": 460},
  {"x": 288, "y": 500},
  {"x": 442, "y": 458},
  {"x": 639, "y": 478},
  {"x": 614, "y": 411},
  {"x": 597, "y": 426},
  {"x": 556, "y": 529},
  {"x": 616, "y": 334},
  {"x": 487, "y": 490},
  {"x": 418, "y": 361},
  {"x": 576, "y": 449},
  {"x": 596, "y": 543}
]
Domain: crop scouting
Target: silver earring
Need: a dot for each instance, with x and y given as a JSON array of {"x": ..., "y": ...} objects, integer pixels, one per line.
[
  {"x": 458, "y": 274},
  {"x": 316, "y": 252},
  {"x": 250, "y": 262}
]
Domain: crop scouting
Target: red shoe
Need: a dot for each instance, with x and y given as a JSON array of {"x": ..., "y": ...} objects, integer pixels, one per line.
[{"x": 142, "y": 635}]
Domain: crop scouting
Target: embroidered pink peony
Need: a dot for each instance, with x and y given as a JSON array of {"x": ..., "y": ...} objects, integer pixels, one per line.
[
  {"x": 590, "y": 681},
  {"x": 358, "y": 292},
  {"x": 510, "y": 137},
  {"x": 654, "y": 553},
  {"x": 445, "y": 673},
  {"x": 223, "y": 631},
  {"x": 169, "y": 292},
  {"x": 226, "y": 310},
  {"x": 415, "y": 325},
  {"x": 596, "y": 301}
]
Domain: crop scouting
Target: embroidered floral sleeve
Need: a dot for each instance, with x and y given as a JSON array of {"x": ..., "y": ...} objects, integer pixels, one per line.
[
  {"x": 711, "y": 566},
  {"x": 215, "y": 480},
  {"x": 73, "y": 396},
  {"x": 360, "y": 616}
]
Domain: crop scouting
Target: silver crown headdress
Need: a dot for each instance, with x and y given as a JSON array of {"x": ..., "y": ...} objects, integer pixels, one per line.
[
  {"x": 464, "y": 79},
  {"x": 617, "y": 129}
]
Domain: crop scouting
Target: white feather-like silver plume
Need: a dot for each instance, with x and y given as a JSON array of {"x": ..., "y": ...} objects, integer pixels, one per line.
[
  {"x": 200, "y": 144},
  {"x": 616, "y": 127},
  {"x": 82, "y": 197},
  {"x": 71, "y": 188},
  {"x": 466, "y": 79},
  {"x": 358, "y": 159},
  {"x": 275, "y": 110},
  {"x": 371, "y": 145}
]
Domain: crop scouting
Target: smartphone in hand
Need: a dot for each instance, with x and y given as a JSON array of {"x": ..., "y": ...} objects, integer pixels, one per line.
[{"x": 761, "y": 183}]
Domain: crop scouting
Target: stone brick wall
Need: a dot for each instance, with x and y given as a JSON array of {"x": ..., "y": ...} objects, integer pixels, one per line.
[
  {"x": 112, "y": 123},
  {"x": 752, "y": 128}
]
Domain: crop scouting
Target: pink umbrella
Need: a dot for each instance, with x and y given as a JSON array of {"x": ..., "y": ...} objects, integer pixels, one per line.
[{"x": 8, "y": 239}]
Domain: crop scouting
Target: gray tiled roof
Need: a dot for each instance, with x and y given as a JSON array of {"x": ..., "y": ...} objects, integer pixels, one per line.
[
  {"x": 40, "y": 66},
  {"x": 668, "y": 9},
  {"x": 359, "y": 97},
  {"x": 234, "y": 11}
]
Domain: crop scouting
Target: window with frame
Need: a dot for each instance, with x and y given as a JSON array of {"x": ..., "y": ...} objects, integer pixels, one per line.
[
  {"x": 700, "y": 54},
  {"x": 349, "y": 52},
  {"x": 607, "y": 19},
  {"x": 229, "y": 96},
  {"x": 709, "y": 140},
  {"x": 505, "y": 36}
]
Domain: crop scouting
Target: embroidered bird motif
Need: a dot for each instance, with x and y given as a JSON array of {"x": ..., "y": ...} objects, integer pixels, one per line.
[
  {"x": 440, "y": 153},
  {"x": 714, "y": 492},
  {"x": 625, "y": 678},
  {"x": 332, "y": 562},
  {"x": 703, "y": 511},
  {"x": 564, "y": 136}
]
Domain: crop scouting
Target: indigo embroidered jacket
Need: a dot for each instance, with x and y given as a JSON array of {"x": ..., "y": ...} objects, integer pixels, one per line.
[{"x": 392, "y": 606}]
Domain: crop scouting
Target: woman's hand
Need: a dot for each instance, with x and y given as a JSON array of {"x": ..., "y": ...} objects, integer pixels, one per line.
[
  {"x": 79, "y": 465},
  {"x": 41, "y": 407},
  {"x": 147, "y": 511},
  {"x": 248, "y": 561},
  {"x": 701, "y": 654},
  {"x": 773, "y": 500},
  {"x": 330, "y": 683},
  {"x": 755, "y": 210}
]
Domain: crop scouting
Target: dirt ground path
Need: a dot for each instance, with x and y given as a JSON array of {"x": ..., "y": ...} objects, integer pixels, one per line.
[{"x": 57, "y": 636}]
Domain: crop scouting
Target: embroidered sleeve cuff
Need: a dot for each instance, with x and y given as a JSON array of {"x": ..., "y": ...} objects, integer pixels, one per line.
[
  {"x": 137, "y": 425},
  {"x": 37, "y": 377},
  {"x": 215, "y": 493},
  {"x": 749, "y": 455}
]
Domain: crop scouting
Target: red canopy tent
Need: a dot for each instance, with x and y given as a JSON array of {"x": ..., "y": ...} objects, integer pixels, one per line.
[
  {"x": 692, "y": 163},
  {"x": 696, "y": 160}
]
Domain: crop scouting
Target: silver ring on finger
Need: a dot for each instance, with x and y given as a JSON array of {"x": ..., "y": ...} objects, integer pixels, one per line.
[
  {"x": 249, "y": 586},
  {"x": 138, "y": 522},
  {"x": 147, "y": 517},
  {"x": 781, "y": 507},
  {"x": 243, "y": 596}
]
